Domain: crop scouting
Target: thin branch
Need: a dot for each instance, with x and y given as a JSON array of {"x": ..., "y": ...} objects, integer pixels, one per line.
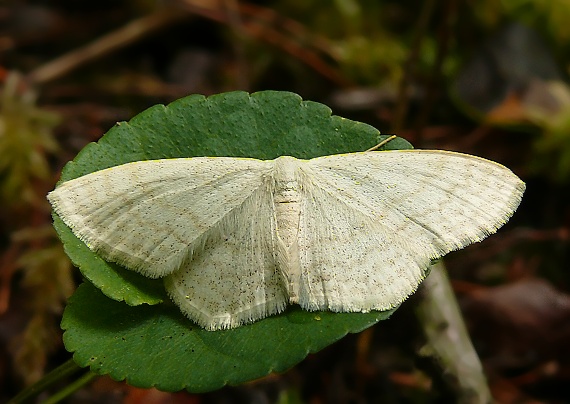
[
  {"x": 448, "y": 342},
  {"x": 249, "y": 19},
  {"x": 118, "y": 39},
  {"x": 260, "y": 23},
  {"x": 296, "y": 30}
]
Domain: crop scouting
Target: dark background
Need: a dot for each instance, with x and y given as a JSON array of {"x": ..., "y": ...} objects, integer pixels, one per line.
[{"x": 481, "y": 77}]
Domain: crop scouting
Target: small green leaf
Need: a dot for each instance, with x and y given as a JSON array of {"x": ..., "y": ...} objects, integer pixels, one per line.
[{"x": 158, "y": 346}]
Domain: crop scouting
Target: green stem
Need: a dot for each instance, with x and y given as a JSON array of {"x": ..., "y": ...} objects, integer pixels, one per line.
[
  {"x": 64, "y": 370},
  {"x": 71, "y": 388}
]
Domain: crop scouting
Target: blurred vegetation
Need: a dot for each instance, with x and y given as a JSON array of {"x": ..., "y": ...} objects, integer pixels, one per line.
[{"x": 483, "y": 77}]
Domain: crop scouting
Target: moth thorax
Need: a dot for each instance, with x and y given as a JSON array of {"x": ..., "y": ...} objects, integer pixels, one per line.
[{"x": 287, "y": 199}]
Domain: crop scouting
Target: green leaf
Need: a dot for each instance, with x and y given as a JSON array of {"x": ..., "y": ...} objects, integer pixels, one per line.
[
  {"x": 262, "y": 125},
  {"x": 115, "y": 281},
  {"x": 154, "y": 346}
]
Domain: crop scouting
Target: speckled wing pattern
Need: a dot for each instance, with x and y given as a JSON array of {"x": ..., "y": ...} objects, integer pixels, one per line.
[
  {"x": 151, "y": 216},
  {"x": 366, "y": 228},
  {"x": 380, "y": 217},
  {"x": 235, "y": 278}
]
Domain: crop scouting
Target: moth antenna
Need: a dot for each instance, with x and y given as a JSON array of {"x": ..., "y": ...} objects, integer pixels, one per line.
[{"x": 382, "y": 143}]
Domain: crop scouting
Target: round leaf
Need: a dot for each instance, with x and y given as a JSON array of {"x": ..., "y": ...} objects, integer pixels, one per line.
[
  {"x": 153, "y": 346},
  {"x": 158, "y": 346}
]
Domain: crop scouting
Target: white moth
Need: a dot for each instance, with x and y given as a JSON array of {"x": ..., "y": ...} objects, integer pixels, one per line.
[{"x": 238, "y": 239}]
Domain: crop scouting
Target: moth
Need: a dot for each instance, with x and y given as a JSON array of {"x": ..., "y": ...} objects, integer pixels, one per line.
[{"x": 238, "y": 239}]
